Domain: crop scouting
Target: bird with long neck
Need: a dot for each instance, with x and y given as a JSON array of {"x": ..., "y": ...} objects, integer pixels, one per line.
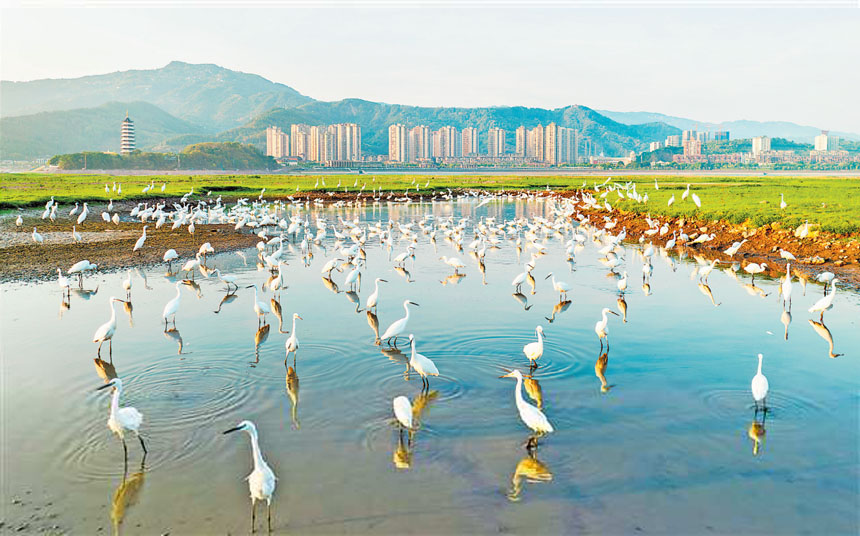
[{"x": 261, "y": 481}]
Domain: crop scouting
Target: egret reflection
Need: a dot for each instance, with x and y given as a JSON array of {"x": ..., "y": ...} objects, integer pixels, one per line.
[
  {"x": 558, "y": 308},
  {"x": 529, "y": 469},
  {"x": 105, "y": 369},
  {"x": 622, "y": 306},
  {"x": 522, "y": 299},
  {"x": 260, "y": 337},
  {"x": 173, "y": 334},
  {"x": 756, "y": 432},
  {"x": 824, "y": 333},
  {"x": 227, "y": 298},
  {"x": 706, "y": 290},
  {"x": 600, "y": 371},
  {"x": 373, "y": 322},
  {"x": 292, "y": 382},
  {"x": 126, "y": 495},
  {"x": 785, "y": 318}
]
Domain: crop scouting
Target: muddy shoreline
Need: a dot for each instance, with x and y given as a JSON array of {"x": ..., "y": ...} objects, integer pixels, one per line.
[{"x": 110, "y": 246}]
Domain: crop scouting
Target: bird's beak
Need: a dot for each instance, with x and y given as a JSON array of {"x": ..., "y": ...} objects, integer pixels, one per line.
[
  {"x": 383, "y": 280},
  {"x": 250, "y": 286},
  {"x": 547, "y": 277},
  {"x": 415, "y": 304},
  {"x": 232, "y": 430},
  {"x": 300, "y": 318},
  {"x": 508, "y": 375},
  {"x": 613, "y": 312},
  {"x": 105, "y": 386}
]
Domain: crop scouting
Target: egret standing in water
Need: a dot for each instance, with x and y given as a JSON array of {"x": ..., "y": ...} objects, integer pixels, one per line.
[
  {"x": 759, "y": 387},
  {"x": 534, "y": 350},
  {"x": 126, "y": 285},
  {"x": 261, "y": 481},
  {"x": 373, "y": 299},
  {"x": 261, "y": 308},
  {"x": 105, "y": 331},
  {"x": 292, "y": 343},
  {"x": 602, "y": 326},
  {"x": 403, "y": 411},
  {"x": 786, "y": 286},
  {"x": 399, "y": 326},
  {"x": 826, "y": 302},
  {"x": 530, "y": 415},
  {"x": 560, "y": 286},
  {"x": 123, "y": 419},
  {"x": 422, "y": 365},
  {"x": 172, "y": 306}
]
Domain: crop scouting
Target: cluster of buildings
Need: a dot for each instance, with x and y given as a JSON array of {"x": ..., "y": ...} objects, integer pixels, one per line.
[
  {"x": 550, "y": 145},
  {"x": 826, "y": 151},
  {"x": 330, "y": 144}
]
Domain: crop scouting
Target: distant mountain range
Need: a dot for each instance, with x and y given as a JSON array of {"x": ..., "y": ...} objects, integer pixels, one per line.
[
  {"x": 184, "y": 103},
  {"x": 738, "y": 129}
]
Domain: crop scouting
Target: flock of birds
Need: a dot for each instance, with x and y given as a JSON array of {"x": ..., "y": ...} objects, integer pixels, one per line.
[{"x": 284, "y": 225}]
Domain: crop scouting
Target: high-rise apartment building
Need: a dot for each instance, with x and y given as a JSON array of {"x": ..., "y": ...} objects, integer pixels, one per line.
[
  {"x": 655, "y": 145},
  {"x": 673, "y": 140},
  {"x": 721, "y": 135},
  {"x": 300, "y": 141},
  {"x": 692, "y": 147},
  {"x": 522, "y": 140},
  {"x": 397, "y": 143},
  {"x": 496, "y": 142},
  {"x": 551, "y": 143},
  {"x": 826, "y": 142},
  {"x": 277, "y": 142},
  {"x": 419, "y": 143},
  {"x": 469, "y": 141},
  {"x": 126, "y": 139},
  {"x": 702, "y": 136},
  {"x": 688, "y": 134},
  {"x": 535, "y": 145},
  {"x": 760, "y": 144}
]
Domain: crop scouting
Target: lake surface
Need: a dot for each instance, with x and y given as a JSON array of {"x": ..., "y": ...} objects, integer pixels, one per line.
[{"x": 666, "y": 448}]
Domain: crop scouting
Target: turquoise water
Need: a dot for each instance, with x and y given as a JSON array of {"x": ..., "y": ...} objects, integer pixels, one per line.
[{"x": 666, "y": 448}]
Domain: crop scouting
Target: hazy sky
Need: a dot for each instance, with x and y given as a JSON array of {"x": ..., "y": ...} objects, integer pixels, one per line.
[{"x": 800, "y": 65}]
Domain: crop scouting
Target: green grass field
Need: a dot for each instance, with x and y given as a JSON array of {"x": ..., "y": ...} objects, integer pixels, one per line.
[{"x": 831, "y": 202}]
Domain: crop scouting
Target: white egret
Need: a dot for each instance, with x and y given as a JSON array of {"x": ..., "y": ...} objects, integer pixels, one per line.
[
  {"x": 373, "y": 299},
  {"x": 753, "y": 268},
  {"x": 671, "y": 200},
  {"x": 602, "y": 326},
  {"x": 123, "y": 419},
  {"x": 421, "y": 364},
  {"x": 227, "y": 279},
  {"x": 403, "y": 411},
  {"x": 260, "y": 308},
  {"x": 534, "y": 350},
  {"x": 826, "y": 302},
  {"x": 169, "y": 256},
  {"x": 453, "y": 262},
  {"x": 560, "y": 286},
  {"x": 191, "y": 265},
  {"x": 731, "y": 250},
  {"x": 782, "y": 203},
  {"x": 622, "y": 283},
  {"x": 106, "y": 331},
  {"x": 261, "y": 481},
  {"x": 759, "y": 386},
  {"x": 353, "y": 276},
  {"x": 139, "y": 244},
  {"x": 530, "y": 415},
  {"x": 37, "y": 238},
  {"x": 172, "y": 306},
  {"x": 521, "y": 278},
  {"x": 76, "y": 236},
  {"x": 79, "y": 268},
  {"x": 685, "y": 194},
  {"x": 63, "y": 281},
  {"x": 787, "y": 255},
  {"x": 83, "y": 215},
  {"x": 74, "y": 210},
  {"x": 786, "y": 286},
  {"x": 126, "y": 285},
  {"x": 696, "y": 200},
  {"x": 292, "y": 344},
  {"x": 399, "y": 326}
]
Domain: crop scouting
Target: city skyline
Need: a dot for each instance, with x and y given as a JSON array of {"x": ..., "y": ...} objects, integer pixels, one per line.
[{"x": 772, "y": 67}]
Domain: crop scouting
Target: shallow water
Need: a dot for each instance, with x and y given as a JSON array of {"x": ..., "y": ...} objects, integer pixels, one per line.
[{"x": 665, "y": 449}]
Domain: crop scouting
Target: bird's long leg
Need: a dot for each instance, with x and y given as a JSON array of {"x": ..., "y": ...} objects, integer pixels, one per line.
[
  {"x": 253, "y": 516},
  {"x": 125, "y": 455},
  {"x": 143, "y": 445},
  {"x": 269, "y": 516},
  {"x": 110, "y": 349},
  {"x": 99, "y": 351},
  {"x": 821, "y": 318}
]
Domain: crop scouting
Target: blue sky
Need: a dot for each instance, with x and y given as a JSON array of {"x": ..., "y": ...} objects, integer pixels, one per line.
[{"x": 797, "y": 65}]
